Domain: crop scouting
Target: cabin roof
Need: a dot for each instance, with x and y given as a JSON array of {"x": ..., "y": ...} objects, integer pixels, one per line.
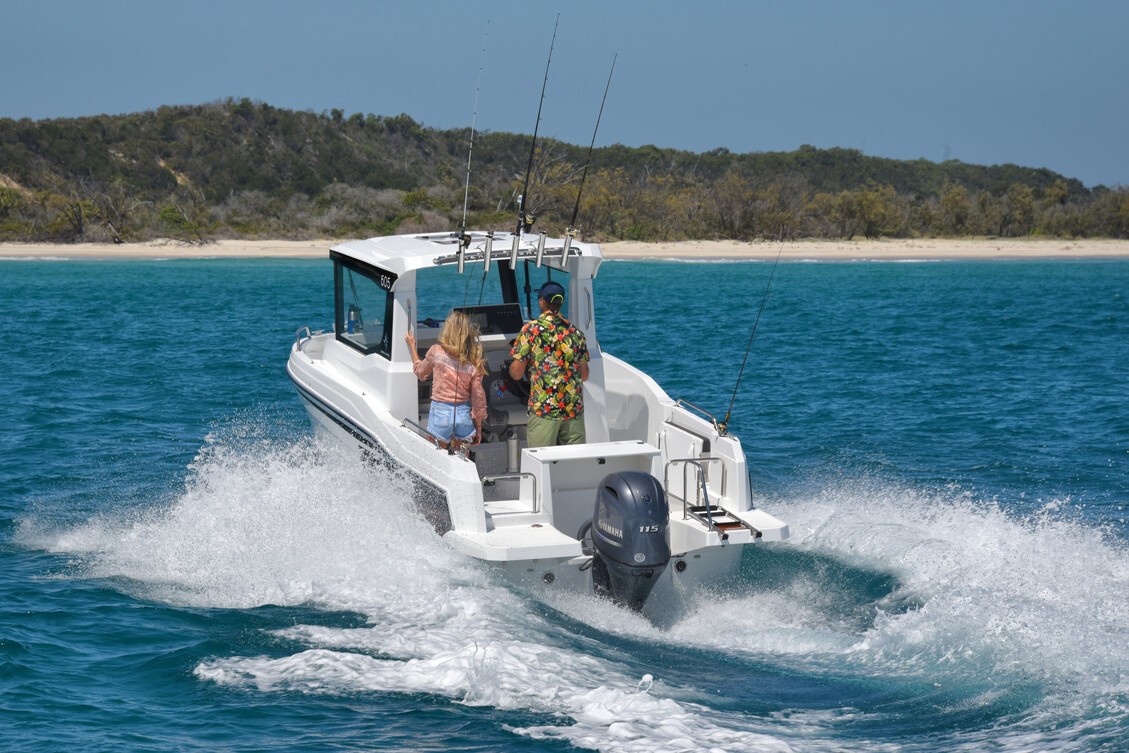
[{"x": 402, "y": 253}]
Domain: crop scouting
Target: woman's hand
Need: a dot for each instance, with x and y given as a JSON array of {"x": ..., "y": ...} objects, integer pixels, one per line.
[
  {"x": 477, "y": 435},
  {"x": 410, "y": 339}
]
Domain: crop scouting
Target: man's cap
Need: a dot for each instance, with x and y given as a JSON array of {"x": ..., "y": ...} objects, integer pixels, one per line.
[{"x": 550, "y": 291}]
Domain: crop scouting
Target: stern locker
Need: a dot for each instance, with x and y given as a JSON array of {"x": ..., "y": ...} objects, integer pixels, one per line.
[{"x": 569, "y": 475}]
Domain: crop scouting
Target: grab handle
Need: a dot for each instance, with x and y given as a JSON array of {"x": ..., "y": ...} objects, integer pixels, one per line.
[
  {"x": 299, "y": 341},
  {"x": 704, "y": 412}
]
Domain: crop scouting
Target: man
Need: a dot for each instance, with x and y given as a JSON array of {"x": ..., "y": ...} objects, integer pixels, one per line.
[{"x": 556, "y": 356}]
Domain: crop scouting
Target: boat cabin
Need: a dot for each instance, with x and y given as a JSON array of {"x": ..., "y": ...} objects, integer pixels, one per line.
[
  {"x": 503, "y": 501},
  {"x": 383, "y": 286}
]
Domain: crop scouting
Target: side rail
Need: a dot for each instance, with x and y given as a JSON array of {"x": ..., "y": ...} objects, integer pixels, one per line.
[
  {"x": 410, "y": 424},
  {"x": 703, "y": 412}
]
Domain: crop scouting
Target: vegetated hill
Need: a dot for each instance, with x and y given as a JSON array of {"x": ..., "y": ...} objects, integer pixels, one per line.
[{"x": 243, "y": 168}]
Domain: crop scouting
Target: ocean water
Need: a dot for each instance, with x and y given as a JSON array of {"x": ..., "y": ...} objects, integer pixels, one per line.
[{"x": 186, "y": 566}]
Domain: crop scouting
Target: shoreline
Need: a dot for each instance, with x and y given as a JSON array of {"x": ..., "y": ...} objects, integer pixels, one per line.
[{"x": 903, "y": 249}]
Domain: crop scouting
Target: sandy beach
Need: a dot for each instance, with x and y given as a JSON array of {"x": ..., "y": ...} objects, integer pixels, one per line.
[{"x": 889, "y": 250}]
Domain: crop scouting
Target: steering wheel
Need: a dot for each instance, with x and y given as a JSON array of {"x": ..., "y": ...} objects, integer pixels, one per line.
[{"x": 519, "y": 388}]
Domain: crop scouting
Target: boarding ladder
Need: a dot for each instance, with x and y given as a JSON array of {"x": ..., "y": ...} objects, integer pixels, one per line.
[{"x": 713, "y": 517}]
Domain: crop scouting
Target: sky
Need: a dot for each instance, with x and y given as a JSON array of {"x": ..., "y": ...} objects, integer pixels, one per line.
[{"x": 1036, "y": 83}]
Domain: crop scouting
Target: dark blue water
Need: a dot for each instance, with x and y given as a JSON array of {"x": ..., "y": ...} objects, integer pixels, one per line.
[{"x": 187, "y": 567}]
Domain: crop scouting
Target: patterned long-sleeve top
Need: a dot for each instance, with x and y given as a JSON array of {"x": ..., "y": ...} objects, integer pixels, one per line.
[{"x": 453, "y": 384}]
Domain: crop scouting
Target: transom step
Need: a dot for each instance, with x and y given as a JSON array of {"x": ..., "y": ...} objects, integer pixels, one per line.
[{"x": 719, "y": 519}]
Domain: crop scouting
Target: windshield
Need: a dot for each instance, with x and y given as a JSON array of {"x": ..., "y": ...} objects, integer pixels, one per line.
[{"x": 442, "y": 289}]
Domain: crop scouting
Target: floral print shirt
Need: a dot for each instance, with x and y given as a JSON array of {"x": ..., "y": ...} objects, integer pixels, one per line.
[{"x": 554, "y": 350}]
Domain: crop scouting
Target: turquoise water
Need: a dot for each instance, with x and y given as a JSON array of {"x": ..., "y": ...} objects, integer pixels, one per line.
[{"x": 187, "y": 567}]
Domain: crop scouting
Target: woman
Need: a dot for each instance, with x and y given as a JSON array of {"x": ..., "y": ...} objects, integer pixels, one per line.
[{"x": 458, "y": 402}]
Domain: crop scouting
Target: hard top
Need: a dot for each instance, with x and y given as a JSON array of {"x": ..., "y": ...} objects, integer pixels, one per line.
[{"x": 402, "y": 253}]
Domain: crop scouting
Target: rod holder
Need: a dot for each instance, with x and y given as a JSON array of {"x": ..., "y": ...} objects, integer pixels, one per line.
[
  {"x": 513, "y": 251},
  {"x": 489, "y": 250},
  {"x": 540, "y": 248}
]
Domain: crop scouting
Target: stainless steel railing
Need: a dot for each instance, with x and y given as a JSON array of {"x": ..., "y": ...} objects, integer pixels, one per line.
[
  {"x": 299, "y": 341},
  {"x": 701, "y": 480},
  {"x": 703, "y": 411}
]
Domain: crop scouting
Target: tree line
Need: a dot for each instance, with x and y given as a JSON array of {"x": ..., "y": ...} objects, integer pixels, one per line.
[{"x": 243, "y": 169}]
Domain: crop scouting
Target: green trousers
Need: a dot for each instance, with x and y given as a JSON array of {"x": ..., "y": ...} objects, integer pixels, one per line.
[{"x": 545, "y": 432}]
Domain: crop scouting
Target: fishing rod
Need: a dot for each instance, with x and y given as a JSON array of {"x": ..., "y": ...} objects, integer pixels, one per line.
[
  {"x": 576, "y": 209},
  {"x": 725, "y": 422},
  {"x": 465, "y": 239},
  {"x": 526, "y": 223}
]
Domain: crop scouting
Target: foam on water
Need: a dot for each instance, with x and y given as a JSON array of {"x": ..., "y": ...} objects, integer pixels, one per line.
[
  {"x": 978, "y": 599},
  {"x": 307, "y": 523},
  {"x": 1033, "y": 600},
  {"x": 987, "y": 610},
  {"x": 274, "y": 524}
]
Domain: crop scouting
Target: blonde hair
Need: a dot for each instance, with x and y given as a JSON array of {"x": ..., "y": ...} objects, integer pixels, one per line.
[{"x": 460, "y": 338}]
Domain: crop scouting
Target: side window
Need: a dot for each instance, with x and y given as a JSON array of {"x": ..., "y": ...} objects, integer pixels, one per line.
[{"x": 363, "y": 306}]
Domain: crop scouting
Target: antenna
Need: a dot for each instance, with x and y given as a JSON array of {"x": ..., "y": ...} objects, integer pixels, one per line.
[{"x": 525, "y": 223}]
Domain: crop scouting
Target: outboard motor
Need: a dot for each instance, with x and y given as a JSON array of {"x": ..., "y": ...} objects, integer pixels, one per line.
[{"x": 629, "y": 536}]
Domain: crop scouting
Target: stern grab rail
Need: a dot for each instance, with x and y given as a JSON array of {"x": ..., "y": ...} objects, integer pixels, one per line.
[
  {"x": 704, "y": 513},
  {"x": 701, "y": 479}
]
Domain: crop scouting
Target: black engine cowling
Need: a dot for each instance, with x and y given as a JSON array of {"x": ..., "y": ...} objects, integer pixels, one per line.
[{"x": 630, "y": 537}]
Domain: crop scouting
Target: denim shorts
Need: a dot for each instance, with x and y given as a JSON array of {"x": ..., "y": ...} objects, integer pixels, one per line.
[{"x": 446, "y": 420}]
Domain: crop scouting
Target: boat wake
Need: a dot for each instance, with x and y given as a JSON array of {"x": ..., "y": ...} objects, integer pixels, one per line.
[
  {"x": 1000, "y": 611},
  {"x": 939, "y": 598},
  {"x": 297, "y": 524}
]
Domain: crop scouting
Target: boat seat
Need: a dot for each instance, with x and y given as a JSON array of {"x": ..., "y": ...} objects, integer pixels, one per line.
[{"x": 503, "y": 407}]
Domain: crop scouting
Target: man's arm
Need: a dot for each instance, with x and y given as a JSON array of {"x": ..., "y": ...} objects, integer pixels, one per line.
[
  {"x": 584, "y": 371},
  {"x": 517, "y": 369}
]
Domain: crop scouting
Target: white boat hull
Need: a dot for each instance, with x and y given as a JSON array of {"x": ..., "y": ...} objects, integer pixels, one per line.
[
  {"x": 525, "y": 510},
  {"x": 521, "y": 543}
]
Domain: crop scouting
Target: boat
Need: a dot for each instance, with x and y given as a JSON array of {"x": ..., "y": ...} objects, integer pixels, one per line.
[{"x": 655, "y": 506}]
